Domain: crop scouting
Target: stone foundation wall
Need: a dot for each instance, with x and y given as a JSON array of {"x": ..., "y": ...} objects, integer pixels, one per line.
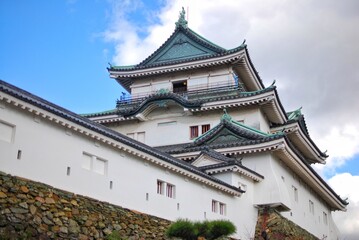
[
  {"x": 279, "y": 228},
  {"x": 32, "y": 210}
]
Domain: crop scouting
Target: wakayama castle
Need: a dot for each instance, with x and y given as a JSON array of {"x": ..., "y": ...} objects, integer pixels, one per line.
[{"x": 198, "y": 136}]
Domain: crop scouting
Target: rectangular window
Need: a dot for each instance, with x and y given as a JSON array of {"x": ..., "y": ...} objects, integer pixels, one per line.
[
  {"x": 94, "y": 163},
  {"x": 170, "y": 190},
  {"x": 139, "y": 136},
  {"x": 214, "y": 206},
  {"x": 222, "y": 208},
  {"x": 131, "y": 135},
  {"x": 6, "y": 132},
  {"x": 180, "y": 87},
  {"x": 162, "y": 124},
  {"x": 325, "y": 218},
  {"x": 167, "y": 189},
  {"x": 205, "y": 128},
  {"x": 19, "y": 153},
  {"x": 193, "y": 132},
  {"x": 160, "y": 187},
  {"x": 311, "y": 207}
]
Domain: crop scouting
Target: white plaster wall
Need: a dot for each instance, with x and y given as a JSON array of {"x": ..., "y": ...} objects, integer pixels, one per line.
[
  {"x": 250, "y": 213},
  {"x": 159, "y": 134},
  {"x": 278, "y": 186},
  {"x": 202, "y": 78},
  {"x": 48, "y": 149}
]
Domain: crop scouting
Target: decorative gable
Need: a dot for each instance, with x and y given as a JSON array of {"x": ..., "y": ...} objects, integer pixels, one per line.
[
  {"x": 229, "y": 130},
  {"x": 182, "y": 45},
  {"x": 205, "y": 160}
]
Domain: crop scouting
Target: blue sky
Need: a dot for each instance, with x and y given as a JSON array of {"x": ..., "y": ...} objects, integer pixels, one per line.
[
  {"x": 54, "y": 49},
  {"x": 59, "y": 50}
]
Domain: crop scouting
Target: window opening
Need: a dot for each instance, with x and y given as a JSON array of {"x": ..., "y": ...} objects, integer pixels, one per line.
[
  {"x": 214, "y": 206},
  {"x": 180, "y": 87},
  {"x": 222, "y": 208},
  {"x": 193, "y": 132},
  {"x": 205, "y": 128},
  {"x": 19, "y": 153},
  {"x": 170, "y": 191},
  {"x": 160, "y": 186}
]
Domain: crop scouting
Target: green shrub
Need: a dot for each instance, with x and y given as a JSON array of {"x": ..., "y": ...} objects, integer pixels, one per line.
[
  {"x": 220, "y": 228},
  {"x": 210, "y": 230},
  {"x": 182, "y": 228}
]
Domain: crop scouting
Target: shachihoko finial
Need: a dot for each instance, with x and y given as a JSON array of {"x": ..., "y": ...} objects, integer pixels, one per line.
[{"x": 181, "y": 19}]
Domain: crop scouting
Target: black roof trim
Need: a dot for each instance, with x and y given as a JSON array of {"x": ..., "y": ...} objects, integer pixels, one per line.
[
  {"x": 302, "y": 158},
  {"x": 226, "y": 161},
  {"x": 84, "y": 122}
]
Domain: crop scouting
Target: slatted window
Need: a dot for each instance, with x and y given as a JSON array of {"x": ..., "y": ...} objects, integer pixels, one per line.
[
  {"x": 160, "y": 187},
  {"x": 170, "y": 190},
  {"x": 205, "y": 128},
  {"x": 214, "y": 206},
  {"x": 193, "y": 132},
  {"x": 165, "y": 188},
  {"x": 222, "y": 208}
]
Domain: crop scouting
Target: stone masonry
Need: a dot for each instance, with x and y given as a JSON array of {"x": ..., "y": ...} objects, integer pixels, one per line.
[{"x": 32, "y": 210}]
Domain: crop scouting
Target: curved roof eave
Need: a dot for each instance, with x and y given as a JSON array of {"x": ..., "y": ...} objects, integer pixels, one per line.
[
  {"x": 303, "y": 137},
  {"x": 340, "y": 203},
  {"x": 73, "y": 118}
]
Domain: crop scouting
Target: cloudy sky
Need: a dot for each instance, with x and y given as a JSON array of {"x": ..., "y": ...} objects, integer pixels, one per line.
[{"x": 59, "y": 50}]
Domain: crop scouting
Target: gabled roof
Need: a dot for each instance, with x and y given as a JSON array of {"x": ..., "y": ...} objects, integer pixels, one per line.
[
  {"x": 221, "y": 163},
  {"x": 227, "y": 134},
  {"x": 32, "y": 103},
  {"x": 182, "y": 46},
  {"x": 194, "y": 101},
  {"x": 183, "y": 50},
  {"x": 298, "y": 134},
  {"x": 229, "y": 130}
]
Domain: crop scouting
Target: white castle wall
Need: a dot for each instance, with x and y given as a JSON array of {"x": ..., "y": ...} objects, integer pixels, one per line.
[
  {"x": 163, "y": 122},
  {"x": 54, "y": 154},
  {"x": 195, "y": 80},
  {"x": 278, "y": 186}
]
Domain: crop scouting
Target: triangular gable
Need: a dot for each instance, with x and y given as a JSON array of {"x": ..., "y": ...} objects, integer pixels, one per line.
[
  {"x": 205, "y": 160},
  {"x": 229, "y": 130},
  {"x": 183, "y": 44}
]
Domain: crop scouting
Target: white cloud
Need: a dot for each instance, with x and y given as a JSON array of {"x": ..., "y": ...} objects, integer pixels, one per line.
[
  {"x": 343, "y": 142},
  {"x": 309, "y": 47},
  {"x": 346, "y": 185}
]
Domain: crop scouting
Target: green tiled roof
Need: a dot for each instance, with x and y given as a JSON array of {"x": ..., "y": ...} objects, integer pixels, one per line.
[
  {"x": 182, "y": 46},
  {"x": 96, "y": 114},
  {"x": 231, "y": 130}
]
